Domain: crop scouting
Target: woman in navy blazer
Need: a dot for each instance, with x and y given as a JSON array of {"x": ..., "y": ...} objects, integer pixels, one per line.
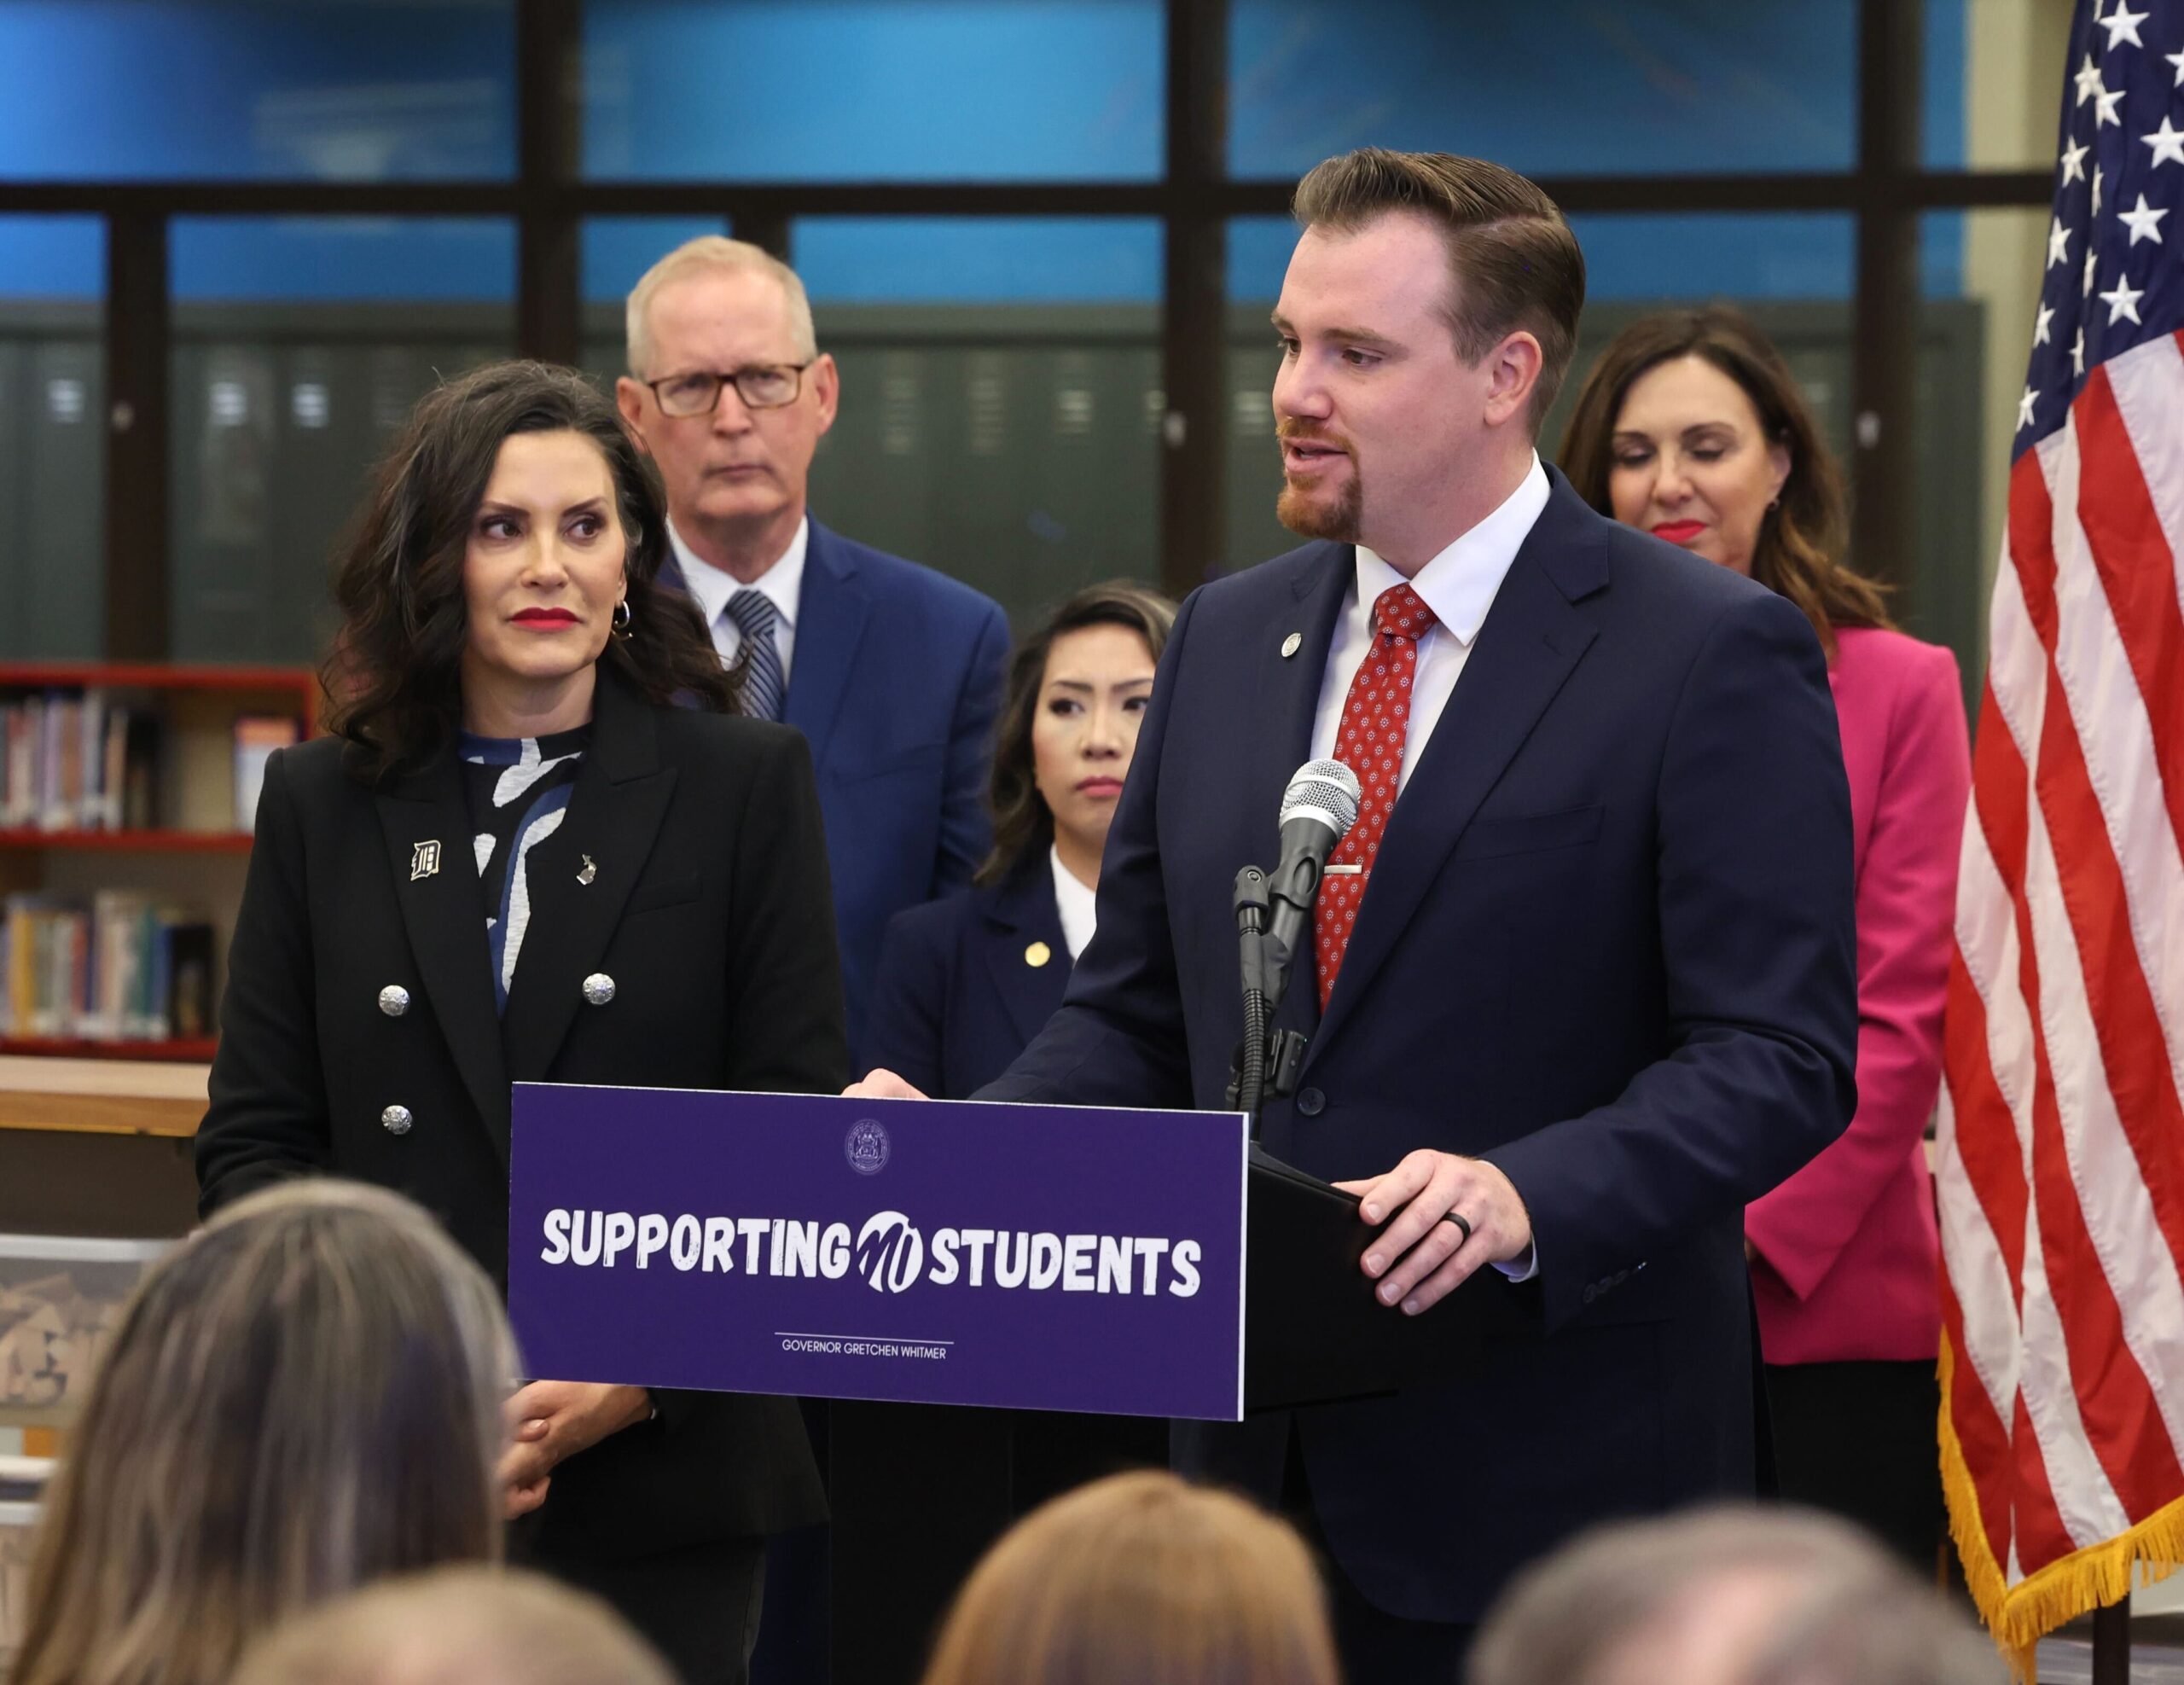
[{"x": 964, "y": 983}]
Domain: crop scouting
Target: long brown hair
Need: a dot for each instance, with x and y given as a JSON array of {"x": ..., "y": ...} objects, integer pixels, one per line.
[
  {"x": 1799, "y": 555},
  {"x": 1021, "y": 821},
  {"x": 302, "y": 1397},
  {"x": 394, "y": 674},
  {"x": 1141, "y": 1576}
]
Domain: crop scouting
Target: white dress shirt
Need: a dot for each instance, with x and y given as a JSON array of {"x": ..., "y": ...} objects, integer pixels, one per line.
[
  {"x": 711, "y": 588},
  {"x": 1459, "y": 585},
  {"x": 1078, "y": 904}
]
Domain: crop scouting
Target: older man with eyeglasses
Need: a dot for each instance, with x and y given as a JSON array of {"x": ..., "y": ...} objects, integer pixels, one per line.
[{"x": 892, "y": 671}]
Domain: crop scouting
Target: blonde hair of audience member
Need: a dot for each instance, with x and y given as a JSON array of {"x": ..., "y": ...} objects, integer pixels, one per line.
[
  {"x": 712, "y": 254},
  {"x": 457, "y": 1626},
  {"x": 1141, "y": 1577},
  {"x": 304, "y": 1396},
  {"x": 1741, "y": 1596}
]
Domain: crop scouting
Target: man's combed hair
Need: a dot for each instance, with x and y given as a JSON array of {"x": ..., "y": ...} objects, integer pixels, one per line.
[{"x": 1515, "y": 263}]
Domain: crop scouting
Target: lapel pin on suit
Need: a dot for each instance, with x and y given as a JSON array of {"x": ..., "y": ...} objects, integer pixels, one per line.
[
  {"x": 1291, "y": 644},
  {"x": 589, "y": 873},
  {"x": 1037, "y": 954},
  {"x": 424, "y": 860}
]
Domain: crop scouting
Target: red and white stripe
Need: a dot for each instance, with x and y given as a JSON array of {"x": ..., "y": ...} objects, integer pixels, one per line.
[{"x": 2060, "y": 1162}]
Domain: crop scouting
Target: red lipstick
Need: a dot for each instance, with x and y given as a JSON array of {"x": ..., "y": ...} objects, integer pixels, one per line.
[
  {"x": 544, "y": 618},
  {"x": 1679, "y": 531}
]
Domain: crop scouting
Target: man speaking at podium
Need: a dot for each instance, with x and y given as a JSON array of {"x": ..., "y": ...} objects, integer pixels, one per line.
[{"x": 1587, "y": 984}]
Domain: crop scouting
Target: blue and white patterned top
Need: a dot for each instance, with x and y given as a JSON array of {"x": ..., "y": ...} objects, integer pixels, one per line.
[{"x": 519, "y": 790}]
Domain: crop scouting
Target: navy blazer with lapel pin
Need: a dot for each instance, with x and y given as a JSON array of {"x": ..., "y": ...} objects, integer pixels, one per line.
[{"x": 1607, "y": 944}]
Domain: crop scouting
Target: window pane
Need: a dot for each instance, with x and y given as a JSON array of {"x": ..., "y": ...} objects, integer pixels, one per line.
[
  {"x": 1792, "y": 273},
  {"x": 1001, "y": 404},
  {"x": 299, "y": 347},
  {"x": 1557, "y": 87},
  {"x": 1994, "y": 72},
  {"x": 339, "y": 90},
  {"x": 52, "y": 438},
  {"x": 1982, "y": 274},
  {"x": 873, "y": 90}
]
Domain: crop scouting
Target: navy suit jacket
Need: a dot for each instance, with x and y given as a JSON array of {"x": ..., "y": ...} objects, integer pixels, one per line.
[
  {"x": 1607, "y": 945},
  {"x": 957, "y": 997},
  {"x": 895, "y": 683}
]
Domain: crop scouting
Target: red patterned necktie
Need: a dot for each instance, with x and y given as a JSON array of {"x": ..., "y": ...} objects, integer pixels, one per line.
[{"x": 1375, "y": 721}]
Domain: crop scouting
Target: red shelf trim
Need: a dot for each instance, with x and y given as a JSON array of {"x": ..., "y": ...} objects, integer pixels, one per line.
[
  {"x": 132, "y": 842},
  {"x": 193, "y": 1052},
  {"x": 155, "y": 676}
]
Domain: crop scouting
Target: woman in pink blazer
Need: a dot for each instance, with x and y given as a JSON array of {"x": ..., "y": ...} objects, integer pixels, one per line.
[{"x": 1691, "y": 425}]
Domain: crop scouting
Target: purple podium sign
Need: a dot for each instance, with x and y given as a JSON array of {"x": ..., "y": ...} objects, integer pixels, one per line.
[{"x": 930, "y": 1251}]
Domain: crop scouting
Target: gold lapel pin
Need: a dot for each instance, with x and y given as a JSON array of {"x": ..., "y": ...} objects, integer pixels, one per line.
[
  {"x": 1291, "y": 644},
  {"x": 1037, "y": 954},
  {"x": 589, "y": 873},
  {"x": 424, "y": 860}
]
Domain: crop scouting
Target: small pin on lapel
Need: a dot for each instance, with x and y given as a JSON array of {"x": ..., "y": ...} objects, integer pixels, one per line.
[
  {"x": 424, "y": 860},
  {"x": 1037, "y": 954},
  {"x": 1291, "y": 644},
  {"x": 589, "y": 873}
]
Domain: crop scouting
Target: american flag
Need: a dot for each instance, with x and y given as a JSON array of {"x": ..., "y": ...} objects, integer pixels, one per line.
[{"x": 2060, "y": 1150}]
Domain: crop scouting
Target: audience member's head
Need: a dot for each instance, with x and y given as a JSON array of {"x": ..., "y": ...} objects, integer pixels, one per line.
[
  {"x": 729, "y": 390},
  {"x": 304, "y": 1396},
  {"x": 1077, "y": 686},
  {"x": 1691, "y": 426},
  {"x": 1728, "y": 1597},
  {"x": 457, "y": 1626},
  {"x": 1145, "y": 1578}
]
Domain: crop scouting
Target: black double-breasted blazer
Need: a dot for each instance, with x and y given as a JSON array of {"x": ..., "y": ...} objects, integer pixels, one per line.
[{"x": 708, "y": 907}]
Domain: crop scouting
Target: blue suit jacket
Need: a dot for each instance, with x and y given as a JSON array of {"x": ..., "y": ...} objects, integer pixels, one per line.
[
  {"x": 895, "y": 683},
  {"x": 1607, "y": 944},
  {"x": 956, "y": 998}
]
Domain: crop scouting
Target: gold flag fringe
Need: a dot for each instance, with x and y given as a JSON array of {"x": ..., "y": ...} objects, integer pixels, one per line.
[{"x": 2020, "y": 1616}]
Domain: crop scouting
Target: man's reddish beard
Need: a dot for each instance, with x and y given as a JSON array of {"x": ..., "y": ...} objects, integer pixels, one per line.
[{"x": 1311, "y": 517}]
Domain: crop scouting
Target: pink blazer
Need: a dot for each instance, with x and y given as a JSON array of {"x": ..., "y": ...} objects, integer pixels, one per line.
[{"x": 1845, "y": 1249}]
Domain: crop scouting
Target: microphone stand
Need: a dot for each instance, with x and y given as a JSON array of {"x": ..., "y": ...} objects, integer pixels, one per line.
[{"x": 1269, "y": 1060}]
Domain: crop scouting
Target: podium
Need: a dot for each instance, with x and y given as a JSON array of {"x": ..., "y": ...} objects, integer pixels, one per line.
[{"x": 953, "y": 1275}]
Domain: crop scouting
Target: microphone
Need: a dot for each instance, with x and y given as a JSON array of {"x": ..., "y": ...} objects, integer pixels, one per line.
[{"x": 1318, "y": 811}]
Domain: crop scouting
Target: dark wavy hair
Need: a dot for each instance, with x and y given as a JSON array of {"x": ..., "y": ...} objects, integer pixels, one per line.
[
  {"x": 1021, "y": 819},
  {"x": 394, "y": 673},
  {"x": 1802, "y": 540}
]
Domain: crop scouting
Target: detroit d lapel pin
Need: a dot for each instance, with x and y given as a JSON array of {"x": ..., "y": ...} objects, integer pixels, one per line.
[{"x": 424, "y": 860}]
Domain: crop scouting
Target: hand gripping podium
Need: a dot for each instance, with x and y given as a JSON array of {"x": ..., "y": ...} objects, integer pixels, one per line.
[{"x": 899, "y": 1255}]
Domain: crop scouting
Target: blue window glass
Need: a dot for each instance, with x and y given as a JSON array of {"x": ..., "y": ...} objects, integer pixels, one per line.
[
  {"x": 52, "y": 438},
  {"x": 243, "y": 90},
  {"x": 1000, "y": 398},
  {"x": 873, "y": 90},
  {"x": 1555, "y": 87},
  {"x": 300, "y": 346}
]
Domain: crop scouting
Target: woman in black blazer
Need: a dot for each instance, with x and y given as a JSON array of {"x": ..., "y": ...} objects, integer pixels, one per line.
[
  {"x": 525, "y": 855},
  {"x": 963, "y": 985}
]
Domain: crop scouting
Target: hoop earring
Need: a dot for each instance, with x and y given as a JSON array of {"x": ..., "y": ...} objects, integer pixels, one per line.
[{"x": 624, "y": 614}]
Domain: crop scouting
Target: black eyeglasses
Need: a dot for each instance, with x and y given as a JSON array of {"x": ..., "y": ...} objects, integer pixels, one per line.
[{"x": 764, "y": 386}]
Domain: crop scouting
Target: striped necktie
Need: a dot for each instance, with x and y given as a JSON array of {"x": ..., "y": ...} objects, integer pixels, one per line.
[{"x": 764, "y": 688}]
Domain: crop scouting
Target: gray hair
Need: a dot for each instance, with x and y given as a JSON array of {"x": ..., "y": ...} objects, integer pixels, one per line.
[
  {"x": 1848, "y": 1614},
  {"x": 303, "y": 1396},
  {"x": 713, "y": 254},
  {"x": 458, "y": 1626}
]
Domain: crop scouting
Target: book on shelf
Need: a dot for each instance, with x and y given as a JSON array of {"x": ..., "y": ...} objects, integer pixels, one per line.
[
  {"x": 257, "y": 736},
  {"x": 123, "y": 967},
  {"x": 76, "y": 760}
]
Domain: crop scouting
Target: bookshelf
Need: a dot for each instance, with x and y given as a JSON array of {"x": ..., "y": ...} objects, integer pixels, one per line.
[{"x": 124, "y": 843}]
